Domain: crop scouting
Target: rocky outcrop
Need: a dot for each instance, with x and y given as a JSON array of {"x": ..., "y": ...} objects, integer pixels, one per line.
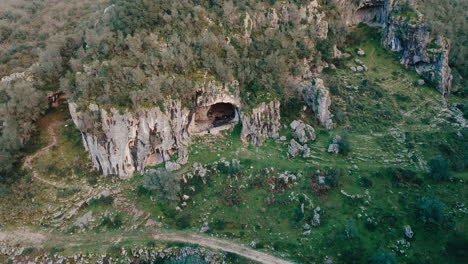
[
  {"x": 317, "y": 97},
  {"x": 121, "y": 143},
  {"x": 262, "y": 122},
  {"x": 405, "y": 32},
  {"x": 302, "y": 131},
  {"x": 354, "y": 12}
]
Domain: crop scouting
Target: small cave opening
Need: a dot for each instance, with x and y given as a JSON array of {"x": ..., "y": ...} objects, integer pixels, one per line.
[{"x": 207, "y": 118}]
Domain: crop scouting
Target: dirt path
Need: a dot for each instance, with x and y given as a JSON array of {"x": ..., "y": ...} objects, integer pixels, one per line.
[
  {"x": 219, "y": 244},
  {"x": 30, "y": 238},
  {"x": 28, "y": 161},
  {"x": 408, "y": 114}
]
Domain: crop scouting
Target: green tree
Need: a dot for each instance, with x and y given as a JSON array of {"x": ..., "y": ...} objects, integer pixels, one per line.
[
  {"x": 431, "y": 210},
  {"x": 165, "y": 184},
  {"x": 439, "y": 169}
]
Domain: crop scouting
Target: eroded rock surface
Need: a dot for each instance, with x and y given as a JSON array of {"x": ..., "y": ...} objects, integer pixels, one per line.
[
  {"x": 302, "y": 131},
  {"x": 123, "y": 142},
  {"x": 262, "y": 122},
  {"x": 317, "y": 97},
  {"x": 418, "y": 49}
]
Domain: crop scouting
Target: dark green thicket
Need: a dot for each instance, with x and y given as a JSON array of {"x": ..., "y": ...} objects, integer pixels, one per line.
[{"x": 140, "y": 72}]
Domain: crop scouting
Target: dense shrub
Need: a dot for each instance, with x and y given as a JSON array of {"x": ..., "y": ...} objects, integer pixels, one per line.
[
  {"x": 439, "y": 169},
  {"x": 183, "y": 221},
  {"x": 365, "y": 182},
  {"x": 344, "y": 144},
  {"x": 110, "y": 222},
  {"x": 431, "y": 210},
  {"x": 230, "y": 168},
  {"x": 402, "y": 176},
  {"x": 164, "y": 183},
  {"x": 103, "y": 200}
]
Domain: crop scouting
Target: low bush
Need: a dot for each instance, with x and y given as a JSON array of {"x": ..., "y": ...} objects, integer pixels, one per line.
[
  {"x": 365, "y": 182},
  {"x": 430, "y": 210},
  {"x": 165, "y": 184},
  {"x": 109, "y": 222},
  {"x": 103, "y": 200},
  {"x": 402, "y": 176},
  {"x": 183, "y": 221},
  {"x": 229, "y": 168},
  {"x": 439, "y": 169}
]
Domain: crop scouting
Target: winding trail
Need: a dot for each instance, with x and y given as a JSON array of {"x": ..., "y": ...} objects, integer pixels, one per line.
[
  {"x": 27, "y": 237},
  {"x": 28, "y": 161}
]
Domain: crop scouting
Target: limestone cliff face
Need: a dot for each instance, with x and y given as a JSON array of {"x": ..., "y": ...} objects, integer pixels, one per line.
[
  {"x": 127, "y": 142},
  {"x": 354, "y": 12},
  {"x": 123, "y": 142},
  {"x": 404, "y": 31},
  {"x": 263, "y": 122},
  {"x": 418, "y": 49},
  {"x": 317, "y": 97}
]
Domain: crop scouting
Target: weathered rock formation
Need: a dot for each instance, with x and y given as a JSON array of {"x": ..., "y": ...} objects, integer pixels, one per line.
[
  {"x": 262, "y": 122},
  {"x": 354, "y": 12},
  {"x": 404, "y": 31},
  {"x": 302, "y": 131},
  {"x": 123, "y": 142},
  {"x": 317, "y": 97},
  {"x": 418, "y": 49}
]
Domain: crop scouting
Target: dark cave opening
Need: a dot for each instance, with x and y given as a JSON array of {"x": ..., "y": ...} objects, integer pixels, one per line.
[{"x": 213, "y": 116}]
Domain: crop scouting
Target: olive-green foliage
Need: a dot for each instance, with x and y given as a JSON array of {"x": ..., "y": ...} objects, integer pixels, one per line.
[
  {"x": 111, "y": 222},
  {"x": 149, "y": 50},
  {"x": 103, "y": 200},
  {"x": 439, "y": 169},
  {"x": 164, "y": 183},
  {"x": 431, "y": 210},
  {"x": 449, "y": 19}
]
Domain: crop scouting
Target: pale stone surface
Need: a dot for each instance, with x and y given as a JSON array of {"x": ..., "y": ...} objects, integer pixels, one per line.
[
  {"x": 302, "y": 131},
  {"x": 263, "y": 122},
  {"x": 318, "y": 99}
]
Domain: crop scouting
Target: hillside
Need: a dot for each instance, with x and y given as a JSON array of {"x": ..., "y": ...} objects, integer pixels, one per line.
[{"x": 202, "y": 131}]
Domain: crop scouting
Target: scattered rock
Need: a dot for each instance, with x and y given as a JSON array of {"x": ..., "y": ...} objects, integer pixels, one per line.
[
  {"x": 294, "y": 148},
  {"x": 321, "y": 180},
  {"x": 408, "y": 232},
  {"x": 302, "y": 131},
  {"x": 306, "y": 151},
  {"x": 359, "y": 62},
  {"x": 152, "y": 223},
  {"x": 334, "y": 148},
  {"x": 283, "y": 138},
  {"x": 361, "y": 52},
  {"x": 421, "y": 82},
  {"x": 316, "y": 219},
  {"x": 352, "y": 68},
  {"x": 306, "y": 226},
  {"x": 205, "y": 227},
  {"x": 287, "y": 178},
  {"x": 84, "y": 220},
  {"x": 360, "y": 68}
]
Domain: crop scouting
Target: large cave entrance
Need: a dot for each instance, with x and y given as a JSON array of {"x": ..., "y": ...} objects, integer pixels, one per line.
[{"x": 214, "y": 118}]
